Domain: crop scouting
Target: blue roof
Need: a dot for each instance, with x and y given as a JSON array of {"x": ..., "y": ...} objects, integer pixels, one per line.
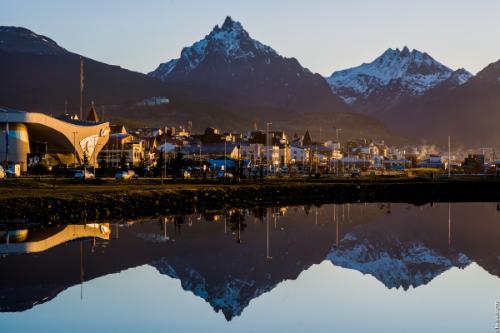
[{"x": 6, "y": 110}]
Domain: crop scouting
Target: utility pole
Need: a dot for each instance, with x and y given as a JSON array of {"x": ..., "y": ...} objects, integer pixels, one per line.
[
  {"x": 81, "y": 88},
  {"x": 200, "y": 155},
  {"x": 449, "y": 156},
  {"x": 7, "y": 142},
  {"x": 225, "y": 157},
  {"x": 74, "y": 146},
  {"x": 239, "y": 170},
  {"x": 164, "y": 171},
  {"x": 267, "y": 150}
]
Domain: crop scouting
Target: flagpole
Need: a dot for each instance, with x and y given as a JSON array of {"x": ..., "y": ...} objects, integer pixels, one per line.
[{"x": 81, "y": 87}]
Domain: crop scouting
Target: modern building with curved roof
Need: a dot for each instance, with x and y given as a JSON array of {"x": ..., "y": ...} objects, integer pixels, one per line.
[{"x": 26, "y": 135}]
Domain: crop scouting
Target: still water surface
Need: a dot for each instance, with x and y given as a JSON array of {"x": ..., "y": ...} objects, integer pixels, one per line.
[{"x": 335, "y": 268}]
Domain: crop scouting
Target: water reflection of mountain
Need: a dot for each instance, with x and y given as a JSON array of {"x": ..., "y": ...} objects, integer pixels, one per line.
[
  {"x": 400, "y": 245},
  {"x": 410, "y": 249},
  {"x": 397, "y": 262}
]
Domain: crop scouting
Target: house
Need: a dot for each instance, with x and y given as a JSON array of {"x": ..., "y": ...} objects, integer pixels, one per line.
[
  {"x": 155, "y": 100},
  {"x": 122, "y": 148},
  {"x": 119, "y": 129},
  {"x": 210, "y": 151},
  {"x": 299, "y": 155},
  {"x": 253, "y": 152},
  {"x": 474, "y": 163},
  {"x": 433, "y": 161}
]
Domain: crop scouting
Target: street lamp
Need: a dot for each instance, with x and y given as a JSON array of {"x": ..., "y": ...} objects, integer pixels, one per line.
[
  {"x": 74, "y": 146},
  {"x": 95, "y": 154},
  {"x": 267, "y": 148},
  {"x": 225, "y": 156},
  {"x": 200, "y": 154}
]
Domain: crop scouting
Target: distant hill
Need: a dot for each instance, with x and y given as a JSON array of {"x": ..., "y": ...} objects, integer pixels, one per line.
[
  {"x": 39, "y": 75},
  {"x": 469, "y": 113}
]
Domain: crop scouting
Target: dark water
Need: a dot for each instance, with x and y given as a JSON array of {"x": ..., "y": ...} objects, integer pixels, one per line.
[{"x": 336, "y": 268}]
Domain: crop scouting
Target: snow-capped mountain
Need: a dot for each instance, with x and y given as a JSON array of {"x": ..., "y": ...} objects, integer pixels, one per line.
[
  {"x": 230, "y": 68},
  {"x": 230, "y": 42},
  {"x": 395, "y": 263},
  {"x": 395, "y": 76},
  {"x": 230, "y": 295}
]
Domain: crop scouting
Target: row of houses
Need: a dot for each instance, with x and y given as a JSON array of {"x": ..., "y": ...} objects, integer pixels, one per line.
[{"x": 270, "y": 149}]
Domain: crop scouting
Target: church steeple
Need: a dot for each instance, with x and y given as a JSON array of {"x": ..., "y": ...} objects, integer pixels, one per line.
[
  {"x": 93, "y": 114},
  {"x": 307, "y": 141}
]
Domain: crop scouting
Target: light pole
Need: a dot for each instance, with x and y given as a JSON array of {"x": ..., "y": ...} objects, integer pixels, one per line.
[
  {"x": 225, "y": 157},
  {"x": 164, "y": 170},
  {"x": 200, "y": 154},
  {"x": 74, "y": 146},
  {"x": 449, "y": 156},
  {"x": 95, "y": 155},
  {"x": 337, "y": 131},
  {"x": 267, "y": 148}
]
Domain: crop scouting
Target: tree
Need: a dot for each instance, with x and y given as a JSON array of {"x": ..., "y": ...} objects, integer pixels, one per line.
[
  {"x": 160, "y": 162},
  {"x": 85, "y": 159},
  {"x": 123, "y": 162},
  {"x": 102, "y": 163},
  {"x": 177, "y": 164}
]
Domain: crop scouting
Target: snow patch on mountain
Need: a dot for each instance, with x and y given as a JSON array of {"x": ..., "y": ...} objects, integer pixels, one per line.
[
  {"x": 165, "y": 68},
  {"x": 462, "y": 76},
  {"x": 410, "y": 72}
]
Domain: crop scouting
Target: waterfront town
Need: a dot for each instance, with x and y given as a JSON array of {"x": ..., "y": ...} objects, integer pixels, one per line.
[{"x": 36, "y": 144}]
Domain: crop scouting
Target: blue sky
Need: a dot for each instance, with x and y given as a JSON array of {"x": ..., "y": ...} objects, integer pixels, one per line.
[{"x": 323, "y": 35}]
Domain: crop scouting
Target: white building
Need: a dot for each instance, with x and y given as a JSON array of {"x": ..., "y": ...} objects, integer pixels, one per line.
[{"x": 299, "y": 155}]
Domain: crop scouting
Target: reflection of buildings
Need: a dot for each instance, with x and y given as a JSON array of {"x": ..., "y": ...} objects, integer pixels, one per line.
[
  {"x": 41, "y": 240},
  {"x": 54, "y": 140}
]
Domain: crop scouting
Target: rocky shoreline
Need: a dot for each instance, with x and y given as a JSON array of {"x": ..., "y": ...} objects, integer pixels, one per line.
[{"x": 119, "y": 203}]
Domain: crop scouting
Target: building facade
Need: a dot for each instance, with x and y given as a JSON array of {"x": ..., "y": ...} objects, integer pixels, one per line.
[{"x": 29, "y": 137}]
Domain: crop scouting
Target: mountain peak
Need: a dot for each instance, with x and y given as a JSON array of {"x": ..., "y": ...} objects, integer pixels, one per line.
[
  {"x": 229, "y": 24},
  {"x": 22, "y": 40},
  {"x": 230, "y": 42},
  {"x": 405, "y": 52}
]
